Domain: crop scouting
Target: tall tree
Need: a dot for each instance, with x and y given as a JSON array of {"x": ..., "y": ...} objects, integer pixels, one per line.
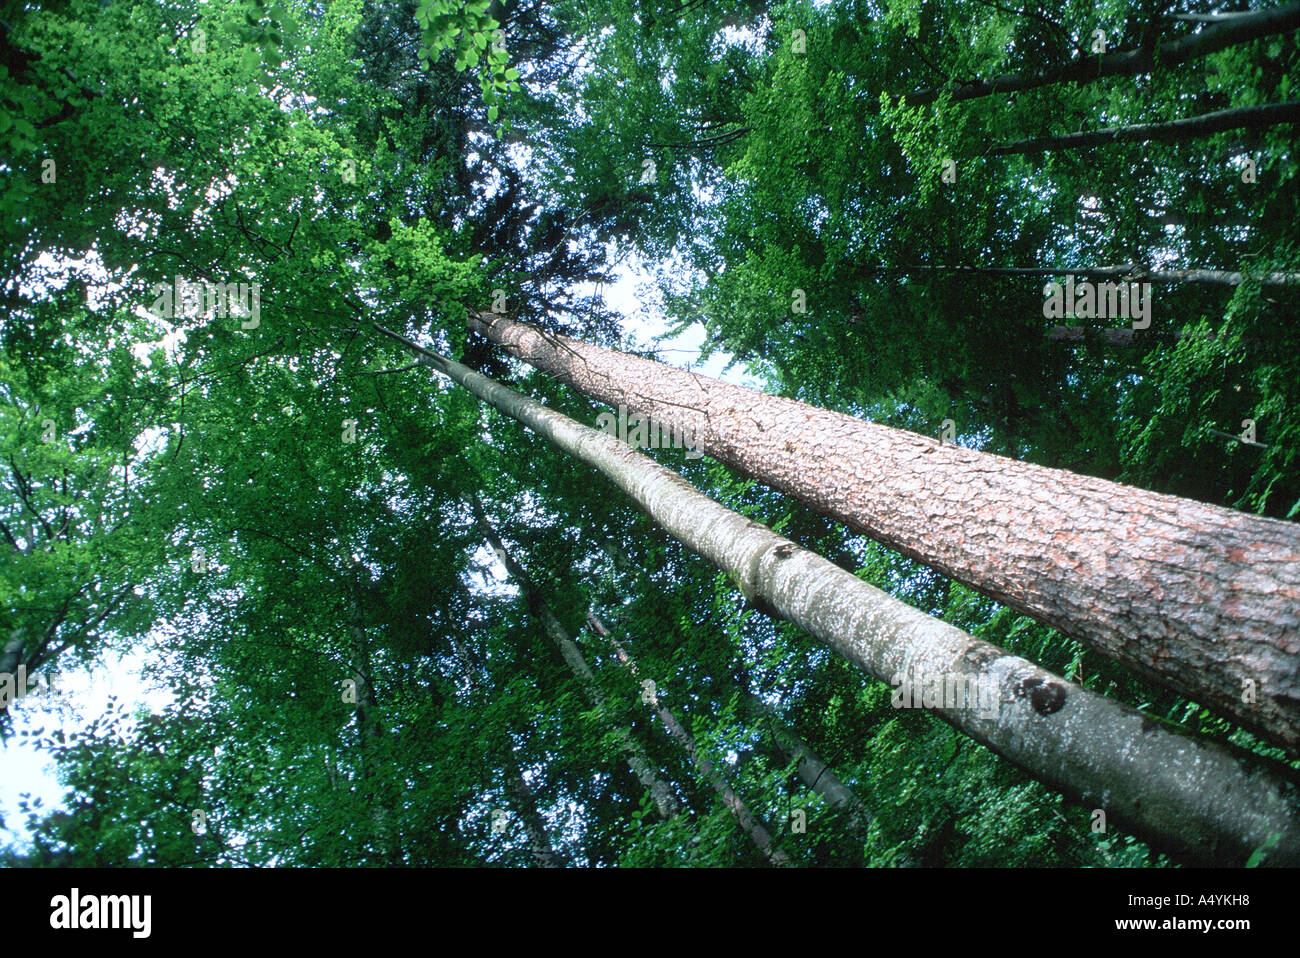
[
  {"x": 1127, "y": 571},
  {"x": 1091, "y": 735}
]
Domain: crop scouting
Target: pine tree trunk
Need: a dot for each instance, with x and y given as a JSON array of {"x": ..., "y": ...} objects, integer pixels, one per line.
[
  {"x": 748, "y": 823},
  {"x": 637, "y": 759},
  {"x": 1238, "y": 118},
  {"x": 1199, "y": 800},
  {"x": 1202, "y": 599}
]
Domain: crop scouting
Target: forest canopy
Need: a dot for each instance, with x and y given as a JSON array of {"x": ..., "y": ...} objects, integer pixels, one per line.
[{"x": 312, "y": 395}]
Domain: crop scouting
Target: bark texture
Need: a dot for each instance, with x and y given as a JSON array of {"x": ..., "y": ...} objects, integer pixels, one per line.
[
  {"x": 1199, "y": 800},
  {"x": 748, "y": 823},
  {"x": 11, "y": 655},
  {"x": 1201, "y": 599},
  {"x": 637, "y": 759}
]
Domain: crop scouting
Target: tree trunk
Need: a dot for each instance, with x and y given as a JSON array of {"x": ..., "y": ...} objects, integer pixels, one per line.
[
  {"x": 1202, "y": 599},
  {"x": 637, "y": 758},
  {"x": 1238, "y": 118},
  {"x": 812, "y": 771},
  {"x": 1240, "y": 29},
  {"x": 539, "y": 845},
  {"x": 1132, "y": 273},
  {"x": 748, "y": 823},
  {"x": 11, "y": 655},
  {"x": 368, "y": 728},
  {"x": 1200, "y": 800},
  {"x": 1111, "y": 336}
]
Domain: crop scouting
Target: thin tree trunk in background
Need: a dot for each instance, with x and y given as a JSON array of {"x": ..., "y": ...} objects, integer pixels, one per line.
[
  {"x": 539, "y": 844},
  {"x": 367, "y": 723},
  {"x": 1198, "y": 799},
  {"x": 1131, "y": 273},
  {"x": 637, "y": 758},
  {"x": 748, "y": 823},
  {"x": 1238, "y": 118},
  {"x": 1240, "y": 29},
  {"x": 368, "y": 728},
  {"x": 814, "y": 773},
  {"x": 1202, "y": 599},
  {"x": 810, "y": 768},
  {"x": 331, "y": 776}
]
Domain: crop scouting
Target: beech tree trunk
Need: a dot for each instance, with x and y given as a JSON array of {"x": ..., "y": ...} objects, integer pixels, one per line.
[
  {"x": 1202, "y": 599},
  {"x": 11, "y": 655},
  {"x": 748, "y": 823},
  {"x": 539, "y": 843},
  {"x": 637, "y": 759},
  {"x": 1240, "y": 29},
  {"x": 1238, "y": 118},
  {"x": 1199, "y": 800}
]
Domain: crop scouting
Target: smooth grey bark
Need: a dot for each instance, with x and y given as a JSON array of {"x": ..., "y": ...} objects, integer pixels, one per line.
[
  {"x": 11, "y": 654},
  {"x": 1199, "y": 800},
  {"x": 637, "y": 758},
  {"x": 1241, "y": 28},
  {"x": 1199, "y": 598},
  {"x": 539, "y": 844},
  {"x": 748, "y": 822},
  {"x": 1238, "y": 118}
]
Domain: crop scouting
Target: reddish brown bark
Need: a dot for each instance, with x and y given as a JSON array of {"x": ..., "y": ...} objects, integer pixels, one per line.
[{"x": 1202, "y": 599}]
